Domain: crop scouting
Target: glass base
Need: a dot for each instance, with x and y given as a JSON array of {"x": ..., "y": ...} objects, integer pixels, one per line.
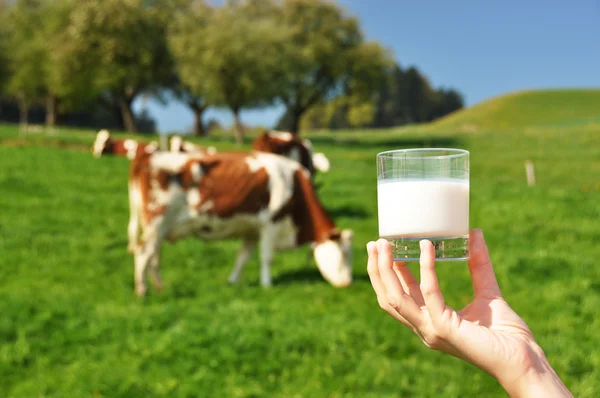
[{"x": 452, "y": 248}]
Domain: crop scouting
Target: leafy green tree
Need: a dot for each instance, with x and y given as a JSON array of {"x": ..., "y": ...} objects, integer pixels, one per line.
[
  {"x": 228, "y": 56},
  {"x": 186, "y": 34},
  {"x": 4, "y": 57},
  {"x": 395, "y": 98},
  {"x": 325, "y": 45},
  {"x": 125, "y": 47},
  {"x": 448, "y": 101},
  {"x": 408, "y": 97},
  {"x": 28, "y": 54},
  {"x": 44, "y": 60},
  {"x": 65, "y": 84}
]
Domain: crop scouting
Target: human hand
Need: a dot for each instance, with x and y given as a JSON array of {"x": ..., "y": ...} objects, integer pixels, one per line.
[{"x": 486, "y": 333}]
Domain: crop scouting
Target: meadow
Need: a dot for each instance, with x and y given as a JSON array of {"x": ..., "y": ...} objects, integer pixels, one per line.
[{"x": 70, "y": 325}]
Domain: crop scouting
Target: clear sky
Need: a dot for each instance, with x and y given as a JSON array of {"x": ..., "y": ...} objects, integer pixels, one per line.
[{"x": 483, "y": 48}]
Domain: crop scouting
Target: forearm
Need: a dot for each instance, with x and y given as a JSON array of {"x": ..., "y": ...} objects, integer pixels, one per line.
[{"x": 538, "y": 381}]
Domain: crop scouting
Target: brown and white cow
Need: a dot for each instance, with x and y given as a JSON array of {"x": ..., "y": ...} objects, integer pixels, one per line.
[
  {"x": 264, "y": 199},
  {"x": 289, "y": 145},
  {"x": 178, "y": 144},
  {"x": 106, "y": 145}
]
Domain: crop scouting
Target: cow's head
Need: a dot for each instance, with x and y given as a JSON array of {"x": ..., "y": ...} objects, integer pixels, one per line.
[
  {"x": 101, "y": 143},
  {"x": 334, "y": 258},
  {"x": 176, "y": 144}
]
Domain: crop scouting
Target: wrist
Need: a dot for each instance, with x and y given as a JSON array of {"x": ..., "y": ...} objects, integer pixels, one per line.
[{"x": 537, "y": 380}]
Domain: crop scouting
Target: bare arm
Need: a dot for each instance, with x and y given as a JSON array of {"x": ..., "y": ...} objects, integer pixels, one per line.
[{"x": 486, "y": 333}]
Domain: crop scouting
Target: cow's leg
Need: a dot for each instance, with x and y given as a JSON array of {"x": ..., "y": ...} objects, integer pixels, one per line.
[
  {"x": 133, "y": 226},
  {"x": 242, "y": 258},
  {"x": 148, "y": 254},
  {"x": 267, "y": 251},
  {"x": 154, "y": 271},
  {"x": 143, "y": 255}
]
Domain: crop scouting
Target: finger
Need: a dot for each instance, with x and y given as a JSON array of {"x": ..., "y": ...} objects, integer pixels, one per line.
[
  {"x": 378, "y": 286},
  {"x": 404, "y": 304},
  {"x": 409, "y": 282},
  {"x": 430, "y": 288},
  {"x": 480, "y": 266}
]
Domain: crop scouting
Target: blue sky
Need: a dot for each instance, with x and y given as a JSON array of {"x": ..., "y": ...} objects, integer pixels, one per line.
[{"x": 481, "y": 48}]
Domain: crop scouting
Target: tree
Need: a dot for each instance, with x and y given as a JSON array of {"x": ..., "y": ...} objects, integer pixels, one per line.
[
  {"x": 126, "y": 49},
  {"x": 393, "y": 98},
  {"x": 325, "y": 45},
  {"x": 27, "y": 54},
  {"x": 448, "y": 101},
  {"x": 4, "y": 58},
  {"x": 64, "y": 83},
  {"x": 408, "y": 97},
  {"x": 228, "y": 56},
  {"x": 186, "y": 33},
  {"x": 44, "y": 58}
]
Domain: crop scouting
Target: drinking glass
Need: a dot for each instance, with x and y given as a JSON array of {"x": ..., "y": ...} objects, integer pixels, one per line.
[{"x": 424, "y": 194}]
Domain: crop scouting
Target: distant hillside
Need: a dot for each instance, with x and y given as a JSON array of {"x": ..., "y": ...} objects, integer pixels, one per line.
[{"x": 547, "y": 108}]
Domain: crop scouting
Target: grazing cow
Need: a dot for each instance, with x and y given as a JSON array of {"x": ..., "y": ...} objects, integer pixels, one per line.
[
  {"x": 264, "y": 199},
  {"x": 106, "y": 145},
  {"x": 178, "y": 144},
  {"x": 290, "y": 146}
]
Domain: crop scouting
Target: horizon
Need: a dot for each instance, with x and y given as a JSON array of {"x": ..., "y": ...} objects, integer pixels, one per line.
[{"x": 470, "y": 50}]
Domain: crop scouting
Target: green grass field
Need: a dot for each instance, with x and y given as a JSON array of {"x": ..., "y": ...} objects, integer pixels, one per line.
[
  {"x": 70, "y": 325},
  {"x": 528, "y": 109}
]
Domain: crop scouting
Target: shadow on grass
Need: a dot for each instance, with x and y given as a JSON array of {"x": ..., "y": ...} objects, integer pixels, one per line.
[
  {"x": 350, "y": 211},
  {"x": 309, "y": 276},
  {"x": 399, "y": 142}
]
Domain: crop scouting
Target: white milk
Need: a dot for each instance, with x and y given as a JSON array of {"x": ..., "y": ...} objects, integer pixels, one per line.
[{"x": 423, "y": 208}]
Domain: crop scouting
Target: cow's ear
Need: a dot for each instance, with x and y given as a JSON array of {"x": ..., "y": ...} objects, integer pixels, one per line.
[{"x": 335, "y": 234}]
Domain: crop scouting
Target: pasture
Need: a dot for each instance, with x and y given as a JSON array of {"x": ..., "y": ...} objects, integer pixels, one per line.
[{"x": 70, "y": 325}]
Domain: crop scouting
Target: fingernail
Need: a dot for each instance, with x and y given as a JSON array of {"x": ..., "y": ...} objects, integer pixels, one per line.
[
  {"x": 422, "y": 244},
  {"x": 370, "y": 247}
]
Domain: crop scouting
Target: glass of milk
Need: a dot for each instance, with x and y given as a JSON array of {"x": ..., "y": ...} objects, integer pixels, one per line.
[{"x": 424, "y": 194}]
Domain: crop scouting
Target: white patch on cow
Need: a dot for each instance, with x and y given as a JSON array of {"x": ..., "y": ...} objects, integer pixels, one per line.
[
  {"x": 131, "y": 148},
  {"x": 334, "y": 260},
  {"x": 151, "y": 147},
  {"x": 193, "y": 197},
  {"x": 189, "y": 147},
  {"x": 281, "y": 177},
  {"x": 100, "y": 143},
  {"x": 206, "y": 206},
  {"x": 253, "y": 164},
  {"x": 167, "y": 161},
  {"x": 162, "y": 197},
  {"x": 175, "y": 143},
  {"x": 211, "y": 150},
  {"x": 196, "y": 172},
  {"x": 321, "y": 162},
  {"x": 282, "y": 135}
]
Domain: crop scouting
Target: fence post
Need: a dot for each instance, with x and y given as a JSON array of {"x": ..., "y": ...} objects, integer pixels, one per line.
[{"x": 530, "y": 172}]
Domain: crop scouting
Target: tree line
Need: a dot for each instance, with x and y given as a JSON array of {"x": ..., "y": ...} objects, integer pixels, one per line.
[{"x": 85, "y": 62}]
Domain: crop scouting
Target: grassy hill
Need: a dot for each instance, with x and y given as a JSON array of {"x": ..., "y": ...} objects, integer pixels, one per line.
[
  {"x": 542, "y": 108},
  {"x": 71, "y": 326}
]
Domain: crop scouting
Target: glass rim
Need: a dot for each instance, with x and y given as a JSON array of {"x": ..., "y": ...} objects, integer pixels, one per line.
[{"x": 455, "y": 153}]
